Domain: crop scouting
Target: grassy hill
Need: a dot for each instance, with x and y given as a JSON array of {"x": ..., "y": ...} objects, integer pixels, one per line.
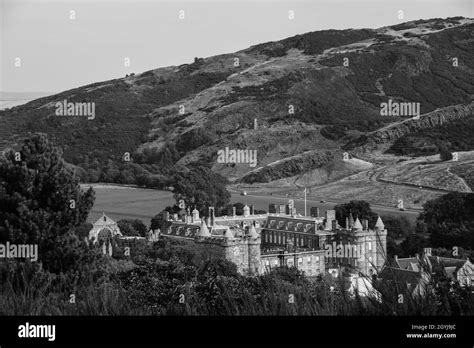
[{"x": 182, "y": 115}]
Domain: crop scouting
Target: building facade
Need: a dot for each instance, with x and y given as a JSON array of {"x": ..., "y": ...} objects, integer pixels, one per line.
[{"x": 258, "y": 242}]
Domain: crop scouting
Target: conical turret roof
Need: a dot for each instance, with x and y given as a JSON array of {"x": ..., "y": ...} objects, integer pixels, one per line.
[
  {"x": 379, "y": 224},
  {"x": 204, "y": 231},
  {"x": 253, "y": 232},
  {"x": 228, "y": 233},
  {"x": 357, "y": 225}
]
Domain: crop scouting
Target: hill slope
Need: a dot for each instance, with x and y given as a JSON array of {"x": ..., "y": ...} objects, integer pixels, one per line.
[{"x": 311, "y": 96}]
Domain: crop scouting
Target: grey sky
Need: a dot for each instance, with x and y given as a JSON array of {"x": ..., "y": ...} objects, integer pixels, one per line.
[{"x": 58, "y": 53}]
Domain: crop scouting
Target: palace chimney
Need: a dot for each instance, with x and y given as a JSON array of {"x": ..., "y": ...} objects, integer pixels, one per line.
[
  {"x": 365, "y": 224},
  {"x": 212, "y": 216},
  {"x": 282, "y": 208},
  {"x": 195, "y": 216}
]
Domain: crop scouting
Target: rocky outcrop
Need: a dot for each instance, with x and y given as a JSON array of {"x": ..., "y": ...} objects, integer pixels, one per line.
[
  {"x": 289, "y": 167},
  {"x": 388, "y": 135}
]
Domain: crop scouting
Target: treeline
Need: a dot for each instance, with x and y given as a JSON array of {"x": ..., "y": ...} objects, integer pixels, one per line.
[{"x": 445, "y": 223}]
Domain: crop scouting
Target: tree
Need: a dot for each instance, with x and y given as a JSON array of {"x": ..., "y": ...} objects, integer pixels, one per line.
[
  {"x": 126, "y": 177},
  {"x": 449, "y": 220},
  {"x": 200, "y": 187},
  {"x": 413, "y": 244},
  {"x": 215, "y": 268},
  {"x": 40, "y": 197},
  {"x": 130, "y": 227},
  {"x": 359, "y": 209},
  {"x": 82, "y": 231},
  {"x": 126, "y": 228},
  {"x": 393, "y": 248},
  {"x": 397, "y": 227},
  {"x": 445, "y": 154},
  {"x": 140, "y": 227}
]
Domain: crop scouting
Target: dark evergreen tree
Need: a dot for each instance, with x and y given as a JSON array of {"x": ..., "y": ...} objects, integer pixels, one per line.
[
  {"x": 445, "y": 154},
  {"x": 200, "y": 187},
  {"x": 40, "y": 196},
  {"x": 449, "y": 220},
  {"x": 359, "y": 209}
]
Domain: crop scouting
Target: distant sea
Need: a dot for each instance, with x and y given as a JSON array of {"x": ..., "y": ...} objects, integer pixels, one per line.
[{"x": 11, "y": 99}]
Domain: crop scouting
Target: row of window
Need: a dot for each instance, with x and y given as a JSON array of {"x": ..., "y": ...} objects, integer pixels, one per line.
[
  {"x": 285, "y": 225},
  {"x": 281, "y": 238},
  {"x": 290, "y": 261}
]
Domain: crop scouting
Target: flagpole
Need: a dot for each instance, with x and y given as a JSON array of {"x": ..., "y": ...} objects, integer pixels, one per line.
[{"x": 305, "y": 202}]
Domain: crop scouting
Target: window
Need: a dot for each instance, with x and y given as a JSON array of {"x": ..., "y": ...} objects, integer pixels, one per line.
[
  {"x": 370, "y": 245},
  {"x": 267, "y": 263},
  {"x": 275, "y": 262},
  {"x": 308, "y": 260},
  {"x": 300, "y": 261},
  {"x": 316, "y": 258}
]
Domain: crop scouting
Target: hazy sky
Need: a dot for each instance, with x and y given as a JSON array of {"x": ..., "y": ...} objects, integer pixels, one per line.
[{"x": 59, "y": 53}]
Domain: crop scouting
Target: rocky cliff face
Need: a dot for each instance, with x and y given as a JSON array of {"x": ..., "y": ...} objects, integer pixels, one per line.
[
  {"x": 289, "y": 167},
  {"x": 384, "y": 137}
]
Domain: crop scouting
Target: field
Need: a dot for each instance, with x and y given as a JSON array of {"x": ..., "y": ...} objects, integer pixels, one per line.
[{"x": 122, "y": 202}]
